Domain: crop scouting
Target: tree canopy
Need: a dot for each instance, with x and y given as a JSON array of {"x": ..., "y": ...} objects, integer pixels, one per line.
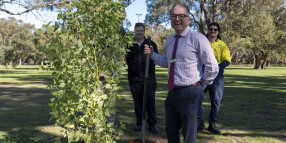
[{"x": 252, "y": 28}]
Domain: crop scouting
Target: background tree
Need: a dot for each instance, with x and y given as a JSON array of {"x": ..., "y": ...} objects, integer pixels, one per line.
[
  {"x": 16, "y": 40},
  {"x": 23, "y": 41},
  {"x": 251, "y": 32},
  {"x": 279, "y": 15},
  {"x": 203, "y": 12},
  {"x": 252, "y": 28},
  {"x": 42, "y": 40},
  {"x": 159, "y": 35},
  {"x": 7, "y": 30}
]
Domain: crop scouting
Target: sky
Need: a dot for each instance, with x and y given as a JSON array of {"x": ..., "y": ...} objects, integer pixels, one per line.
[
  {"x": 37, "y": 18},
  {"x": 42, "y": 17},
  {"x": 136, "y": 12}
]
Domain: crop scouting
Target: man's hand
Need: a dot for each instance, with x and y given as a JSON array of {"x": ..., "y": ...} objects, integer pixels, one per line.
[{"x": 148, "y": 50}]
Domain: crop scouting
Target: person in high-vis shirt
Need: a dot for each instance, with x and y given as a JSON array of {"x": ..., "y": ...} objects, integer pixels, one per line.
[{"x": 223, "y": 58}]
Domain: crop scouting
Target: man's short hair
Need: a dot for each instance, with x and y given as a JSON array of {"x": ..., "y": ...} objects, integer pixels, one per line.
[
  {"x": 140, "y": 24},
  {"x": 181, "y": 5}
]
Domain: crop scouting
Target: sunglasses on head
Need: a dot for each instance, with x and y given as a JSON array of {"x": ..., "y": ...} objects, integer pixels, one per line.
[{"x": 213, "y": 29}]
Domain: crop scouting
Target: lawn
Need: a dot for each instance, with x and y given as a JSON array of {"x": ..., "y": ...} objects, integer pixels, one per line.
[
  {"x": 24, "y": 112},
  {"x": 253, "y": 108}
]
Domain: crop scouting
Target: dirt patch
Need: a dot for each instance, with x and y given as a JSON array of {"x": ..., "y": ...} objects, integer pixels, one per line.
[{"x": 149, "y": 141}]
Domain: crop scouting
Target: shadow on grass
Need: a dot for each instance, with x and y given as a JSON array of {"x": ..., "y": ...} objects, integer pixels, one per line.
[
  {"x": 36, "y": 68},
  {"x": 12, "y": 72},
  {"x": 252, "y": 106},
  {"x": 22, "y": 112},
  {"x": 255, "y": 105},
  {"x": 25, "y": 77},
  {"x": 256, "y": 133}
]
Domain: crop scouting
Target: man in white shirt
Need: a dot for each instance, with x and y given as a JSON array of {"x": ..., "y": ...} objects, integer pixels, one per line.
[{"x": 186, "y": 51}]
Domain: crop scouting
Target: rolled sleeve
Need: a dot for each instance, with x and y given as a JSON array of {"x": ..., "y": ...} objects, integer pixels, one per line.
[{"x": 211, "y": 68}]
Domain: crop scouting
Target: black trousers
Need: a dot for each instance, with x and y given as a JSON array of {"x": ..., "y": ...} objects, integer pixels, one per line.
[
  {"x": 137, "y": 90},
  {"x": 181, "y": 107}
]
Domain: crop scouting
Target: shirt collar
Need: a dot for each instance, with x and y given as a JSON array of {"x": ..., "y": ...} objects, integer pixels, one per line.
[
  {"x": 139, "y": 42},
  {"x": 185, "y": 32}
]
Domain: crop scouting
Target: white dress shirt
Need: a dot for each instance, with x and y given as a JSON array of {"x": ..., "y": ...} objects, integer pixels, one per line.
[{"x": 194, "y": 51}]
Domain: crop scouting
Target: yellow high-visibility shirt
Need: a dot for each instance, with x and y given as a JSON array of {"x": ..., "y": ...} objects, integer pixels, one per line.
[{"x": 221, "y": 51}]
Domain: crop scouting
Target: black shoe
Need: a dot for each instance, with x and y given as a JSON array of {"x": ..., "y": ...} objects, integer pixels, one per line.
[
  {"x": 137, "y": 128},
  {"x": 153, "y": 129},
  {"x": 213, "y": 128},
  {"x": 201, "y": 125}
]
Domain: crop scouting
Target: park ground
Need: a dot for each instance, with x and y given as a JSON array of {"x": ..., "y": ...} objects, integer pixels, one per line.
[{"x": 253, "y": 108}]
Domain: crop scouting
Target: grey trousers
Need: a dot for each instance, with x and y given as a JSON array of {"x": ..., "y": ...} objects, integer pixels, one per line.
[{"x": 181, "y": 107}]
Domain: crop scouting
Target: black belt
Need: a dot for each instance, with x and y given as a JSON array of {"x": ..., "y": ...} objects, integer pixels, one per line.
[{"x": 195, "y": 84}]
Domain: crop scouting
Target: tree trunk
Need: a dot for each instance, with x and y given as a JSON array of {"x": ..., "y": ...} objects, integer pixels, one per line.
[
  {"x": 263, "y": 64},
  {"x": 240, "y": 60},
  {"x": 258, "y": 62},
  {"x": 20, "y": 61},
  {"x": 267, "y": 63},
  {"x": 6, "y": 64}
]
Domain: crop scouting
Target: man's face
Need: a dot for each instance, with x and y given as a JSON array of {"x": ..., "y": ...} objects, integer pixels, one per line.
[
  {"x": 213, "y": 31},
  {"x": 179, "y": 25},
  {"x": 139, "y": 32}
]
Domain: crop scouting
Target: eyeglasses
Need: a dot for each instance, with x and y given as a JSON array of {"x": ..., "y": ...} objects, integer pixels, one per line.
[
  {"x": 181, "y": 16},
  {"x": 213, "y": 29}
]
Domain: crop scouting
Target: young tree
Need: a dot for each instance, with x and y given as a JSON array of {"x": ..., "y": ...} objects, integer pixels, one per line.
[{"x": 88, "y": 47}]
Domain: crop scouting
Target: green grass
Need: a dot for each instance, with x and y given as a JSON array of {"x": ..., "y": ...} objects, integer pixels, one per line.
[
  {"x": 24, "y": 112},
  {"x": 253, "y": 107}
]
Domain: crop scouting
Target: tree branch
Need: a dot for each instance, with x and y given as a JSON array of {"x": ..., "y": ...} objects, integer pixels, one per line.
[
  {"x": 206, "y": 13},
  {"x": 28, "y": 9},
  {"x": 226, "y": 5}
]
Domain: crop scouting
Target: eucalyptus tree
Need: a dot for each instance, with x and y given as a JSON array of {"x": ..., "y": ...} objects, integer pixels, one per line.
[
  {"x": 7, "y": 28},
  {"x": 159, "y": 35},
  {"x": 16, "y": 40},
  {"x": 86, "y": 55},
  {"x": 43, "y": 40},
  {"x": 279, "y": 15},
  {"x": 203, "y": 12},
  {"x": 28, "y": 6},
  {"x": 23, "y": 41},
  {"x": 251, "y": 29},
  {"x": 6, "y": 54}
]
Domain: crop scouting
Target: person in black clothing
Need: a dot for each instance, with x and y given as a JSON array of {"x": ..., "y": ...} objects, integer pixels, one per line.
[{"x": 136, "y": 62}]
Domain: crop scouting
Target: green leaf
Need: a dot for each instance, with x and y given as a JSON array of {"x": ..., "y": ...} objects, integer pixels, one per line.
[
  {"x": 79, "y": 53},
  {"x": 79, "y": 43},
  {"x": 56, "y": 26}
]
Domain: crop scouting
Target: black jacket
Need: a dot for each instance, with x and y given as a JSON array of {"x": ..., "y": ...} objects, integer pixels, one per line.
[{"x": 136, "y": 61}]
